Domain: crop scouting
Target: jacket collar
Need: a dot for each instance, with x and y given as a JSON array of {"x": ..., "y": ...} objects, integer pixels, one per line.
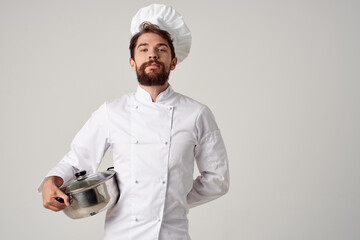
[{"x": 142, "y": 95}]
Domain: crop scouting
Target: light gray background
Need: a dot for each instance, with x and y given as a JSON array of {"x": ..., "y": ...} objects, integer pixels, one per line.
[{"x": 281, "y": 77}]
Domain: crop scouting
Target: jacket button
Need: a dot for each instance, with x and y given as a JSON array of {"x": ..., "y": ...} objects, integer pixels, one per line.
[
  {"x": 170, "y": 108},
  {"x": 165, "y": 142}
]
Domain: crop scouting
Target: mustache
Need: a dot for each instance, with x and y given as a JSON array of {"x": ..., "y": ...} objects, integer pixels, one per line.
[{"x": 146, "y": 64}]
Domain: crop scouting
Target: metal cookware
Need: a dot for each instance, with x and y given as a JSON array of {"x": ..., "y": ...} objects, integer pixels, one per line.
[{"x": 90, "y": 193}]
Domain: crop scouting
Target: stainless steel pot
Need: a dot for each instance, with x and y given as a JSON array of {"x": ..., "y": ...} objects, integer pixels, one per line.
[{"x": 90, "y": 193}]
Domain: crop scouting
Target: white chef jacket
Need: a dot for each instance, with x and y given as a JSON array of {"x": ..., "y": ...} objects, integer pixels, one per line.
[{"x": 154, "y": 147}]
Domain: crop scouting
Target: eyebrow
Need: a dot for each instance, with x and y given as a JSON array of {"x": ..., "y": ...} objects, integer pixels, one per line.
[
  {"x": 158, "y": 45},
  {"x": 162, "y": 44}
]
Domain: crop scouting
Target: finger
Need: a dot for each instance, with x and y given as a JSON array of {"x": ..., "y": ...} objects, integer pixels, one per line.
[
  {"x": 53, "y": 204},
  {"x": 55, "y": 209}
]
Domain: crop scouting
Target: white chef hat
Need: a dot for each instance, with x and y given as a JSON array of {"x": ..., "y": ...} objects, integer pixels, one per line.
[{"x": 168, "y": 19}]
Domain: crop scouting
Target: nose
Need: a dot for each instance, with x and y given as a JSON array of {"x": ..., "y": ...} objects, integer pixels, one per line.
[{"x": 153, "y": 55}]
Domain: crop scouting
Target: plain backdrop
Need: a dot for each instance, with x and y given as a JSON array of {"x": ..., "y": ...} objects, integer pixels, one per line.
[{"x": 281, "y": 77}]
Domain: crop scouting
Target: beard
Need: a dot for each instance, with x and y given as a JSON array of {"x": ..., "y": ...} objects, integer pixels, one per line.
[{"x": 152, "y": 78}]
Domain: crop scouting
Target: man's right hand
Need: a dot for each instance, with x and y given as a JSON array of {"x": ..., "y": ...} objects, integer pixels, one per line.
[{"x": 51, "y": 191}]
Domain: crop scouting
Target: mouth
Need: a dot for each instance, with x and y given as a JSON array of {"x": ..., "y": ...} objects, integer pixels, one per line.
[{"x": 153, "y": 65}]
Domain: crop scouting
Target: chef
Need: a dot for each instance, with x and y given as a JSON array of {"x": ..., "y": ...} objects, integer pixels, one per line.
[{"x": 156, "y": 135}]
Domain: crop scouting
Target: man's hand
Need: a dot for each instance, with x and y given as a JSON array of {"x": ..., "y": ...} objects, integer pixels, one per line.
[{"x": 51, "y": 191}]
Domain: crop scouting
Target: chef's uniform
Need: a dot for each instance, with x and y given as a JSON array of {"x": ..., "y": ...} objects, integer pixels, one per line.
[{"x": 154, "y": 145}]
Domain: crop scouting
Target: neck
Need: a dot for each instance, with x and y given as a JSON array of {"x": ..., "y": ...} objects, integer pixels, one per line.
[{"x": 154, "y": 91}]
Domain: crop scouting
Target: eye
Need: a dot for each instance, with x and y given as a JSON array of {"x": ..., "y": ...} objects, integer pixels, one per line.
[
  {"x": 143, "y": 50},
  {"x": 162, "y": 50}
]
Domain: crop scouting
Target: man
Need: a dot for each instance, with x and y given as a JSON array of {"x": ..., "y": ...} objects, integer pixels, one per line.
[{"x": 155, "y": 134}]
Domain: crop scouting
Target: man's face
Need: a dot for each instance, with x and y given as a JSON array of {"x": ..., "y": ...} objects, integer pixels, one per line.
[{"x": 152, "y": 60}]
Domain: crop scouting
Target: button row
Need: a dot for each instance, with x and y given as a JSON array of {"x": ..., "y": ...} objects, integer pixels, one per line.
[
  {"x": 156, "y": 219},
  {"x": 170, "y": 108},
  {"x": 162, "y": 181},
  {"x": 136, "y": 142}
]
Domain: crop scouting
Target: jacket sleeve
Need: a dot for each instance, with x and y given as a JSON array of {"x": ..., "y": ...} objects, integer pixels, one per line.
[
  {"x": 86, "y": 150},
  {"x": 211, "y": 159}
]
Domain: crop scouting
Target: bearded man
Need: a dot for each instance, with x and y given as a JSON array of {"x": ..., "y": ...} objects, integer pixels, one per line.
[{"x": 156, "y": 135}]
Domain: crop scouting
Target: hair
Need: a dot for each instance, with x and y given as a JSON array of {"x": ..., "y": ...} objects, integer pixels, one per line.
[{"x": 147, "y": 27}]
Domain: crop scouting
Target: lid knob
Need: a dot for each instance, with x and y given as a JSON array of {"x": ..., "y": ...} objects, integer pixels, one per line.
[{"x": 79, "y": 175}]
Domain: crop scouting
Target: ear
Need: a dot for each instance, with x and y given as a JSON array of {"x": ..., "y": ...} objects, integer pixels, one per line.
[
  {"x": 173, "y": 63},
  {"x": 132, "y": 64}
]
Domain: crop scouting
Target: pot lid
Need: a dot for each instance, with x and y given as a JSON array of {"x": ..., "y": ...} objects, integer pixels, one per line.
[{"x": 85, "y": 181}]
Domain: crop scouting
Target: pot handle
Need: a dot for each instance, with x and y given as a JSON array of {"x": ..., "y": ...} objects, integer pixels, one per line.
[
  {"x": 110, "y": 168},
  {"x": 61, "y": 200}
]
